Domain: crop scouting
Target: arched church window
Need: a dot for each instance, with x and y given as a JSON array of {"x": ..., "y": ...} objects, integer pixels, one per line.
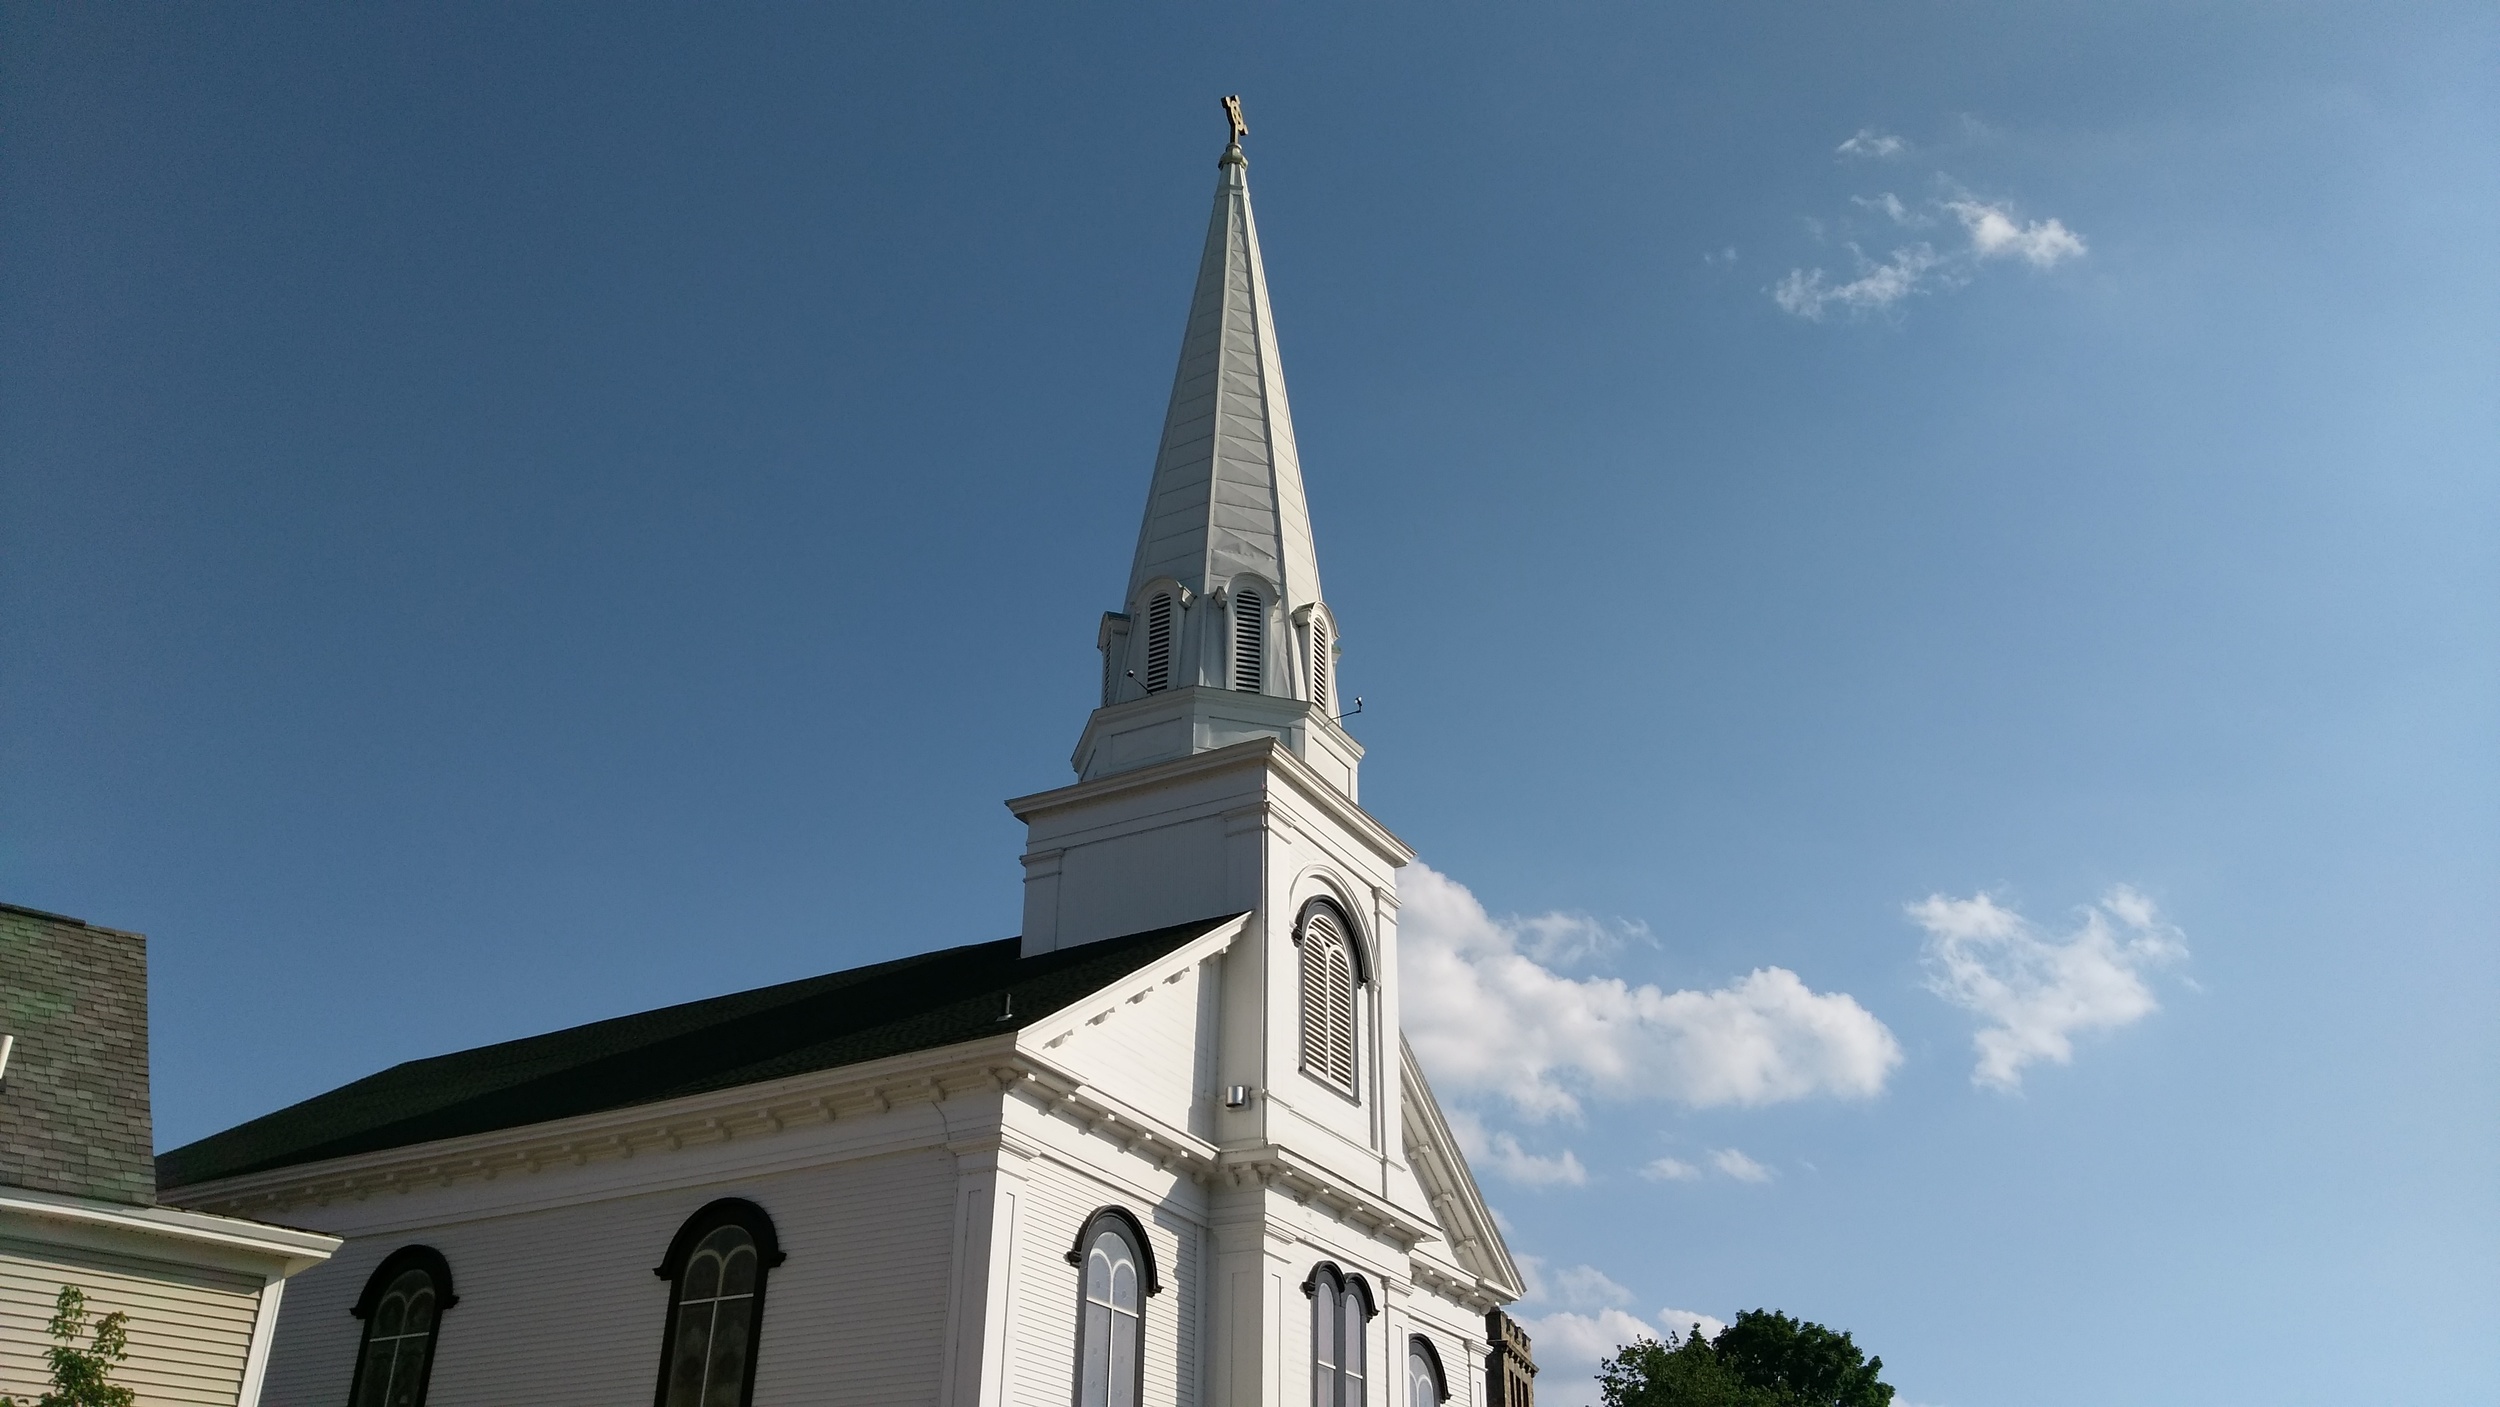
[
  {"x": 1159, "y": 643},
  {"x": 1425, "y": 1384},
  {"x": 402, "y": 1307},
  {"x": 1249, "y": 640},
  {"x": 1319, "y": 661},
  {"x": 1115, "y": 1272},
  {"x": 716, "y": 1269},
  {"x": 1341, "y": 1305},
  {"x": 1329, "y": 981}
]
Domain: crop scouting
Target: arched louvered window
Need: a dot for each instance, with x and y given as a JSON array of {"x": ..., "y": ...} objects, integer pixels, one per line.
[
  {"x": 1341, "y": 1307},
  {"x": 1249, "y": 640},
  {"x": 402, "y": 1307},
  {"x": 1159, "y": 643},
  {"x": 1319, "y": 661},
  {"x": 1115, "y": 1273},
  {"x": 1425, "y": 1385},
  {"x": 1328, "y": 996},
  {"x": 716, "y": 1269}
]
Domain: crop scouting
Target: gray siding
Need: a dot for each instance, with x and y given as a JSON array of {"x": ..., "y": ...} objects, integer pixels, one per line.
[{"x": 74, "y": 1107}]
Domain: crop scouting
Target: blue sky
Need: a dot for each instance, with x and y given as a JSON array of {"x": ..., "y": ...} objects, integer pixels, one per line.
[{"x": 1860, "y": 530}]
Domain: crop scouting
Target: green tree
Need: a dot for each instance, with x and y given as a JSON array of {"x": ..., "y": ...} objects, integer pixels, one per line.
[
  {"x": 82, "y": 1377},
  {"x": 1764, "y": 1359}
]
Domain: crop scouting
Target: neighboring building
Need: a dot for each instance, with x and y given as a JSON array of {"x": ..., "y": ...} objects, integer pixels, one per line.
[
  {"x": 1167, "y": 1147},
  {"x": 78, "y": 1184},
  {"x": 1509, "y": 1373}
]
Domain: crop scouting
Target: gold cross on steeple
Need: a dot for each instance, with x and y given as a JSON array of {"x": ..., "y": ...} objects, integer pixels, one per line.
[{"x": 1232, "y": 112}]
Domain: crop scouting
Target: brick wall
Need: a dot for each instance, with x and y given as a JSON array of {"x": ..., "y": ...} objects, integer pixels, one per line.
[{"x": 74, "y": 1102}]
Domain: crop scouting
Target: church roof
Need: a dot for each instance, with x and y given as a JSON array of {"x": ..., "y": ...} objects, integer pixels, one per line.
[
  {"x": 792, "y": 1028},
  {"x": 1227, "y": 494}
]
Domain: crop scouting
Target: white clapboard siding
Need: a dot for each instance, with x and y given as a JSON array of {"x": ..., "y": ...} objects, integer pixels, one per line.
[
  {"x": 1155, "y": 1054},
  {"x": 190, "y": 1329},
  {"x": 558, "y": 1307},
  {"x": 1042, "y": 1368}
]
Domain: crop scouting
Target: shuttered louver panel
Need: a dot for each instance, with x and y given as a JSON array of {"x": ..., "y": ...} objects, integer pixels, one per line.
[
  {"x": 1159, "y": 644},
  {"x": 1249, "y": 641},
  {"x": 1327, "y": 1001},
  {"x": 1319, "y": 661}
]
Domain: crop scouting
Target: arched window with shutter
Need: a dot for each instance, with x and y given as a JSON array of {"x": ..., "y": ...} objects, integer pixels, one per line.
[
  {"x": 1159, "y": 643},
  {"x": 1115, "y": 1272},
  {"x": 1341, "y": 1308},
  {"x": 716, "y": 1268},
  {"x": 1330, "y": 979},
  {"x": 402, "y": 1307},
  {"x": 1249, "y": 640}
]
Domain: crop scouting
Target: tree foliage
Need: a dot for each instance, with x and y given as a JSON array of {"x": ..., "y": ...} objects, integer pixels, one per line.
[
  {"x": 1764, "y": 1359},
  {"x": 82, "y": 1377}
]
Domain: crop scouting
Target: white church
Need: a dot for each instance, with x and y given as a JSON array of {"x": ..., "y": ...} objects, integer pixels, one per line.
[{"x": 1168, "y": 1147}]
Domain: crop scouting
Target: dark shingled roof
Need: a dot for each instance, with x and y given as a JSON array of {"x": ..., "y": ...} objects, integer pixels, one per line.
[{"x": 816, "y": 1023}]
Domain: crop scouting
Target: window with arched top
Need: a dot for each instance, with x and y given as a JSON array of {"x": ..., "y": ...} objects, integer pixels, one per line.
[
  {"x": 1159, "y": 642},
  {"x": 1249, "y": 640},
  {"x": 1330, "y": 981},
  {"x": 716, "y": 1268},
  {"x": 402, "y": 1307},
  {"x": 1426, "y": 1385},
  {"x": 1115, "y": 1272},
  {"x": 1341, "y": 1307}
]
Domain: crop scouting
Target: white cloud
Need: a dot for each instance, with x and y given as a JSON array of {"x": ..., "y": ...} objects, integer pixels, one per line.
[
  {"x": 1995, "y": 233},
  {"x": 1569, "y": 1346},
  {"x": 1990, "y": 229},
  {"x": 1487, "y": 1017},
  {"x": 1735, "y": 1164},
  {"x": 1893, "y": 209},
  {"x": 1581, "y": 1287},
  {"x": 2038, "y": 990},
  {"x": 1501, "y": 1151},
  {"x": 1670, "y": 1170},
  {"x": 1870, "y": 143},
  {"x": 1807, "y": 293},
  {"x": 1681, "y": 1322},
  {"x": 1586, "y": 1323}
]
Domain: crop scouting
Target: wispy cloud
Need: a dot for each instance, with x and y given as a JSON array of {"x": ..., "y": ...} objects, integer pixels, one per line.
[
  {"x": 1502, "y": 1153},
  {"x": 1726, "y": 1162},
  {"x": 1809, "y": 293},
  {"x": 1488, "y": 1017},
  {"x": 1867, "y": 142},
  {"x": 1735, "y": 1164},
  {"x": 2038, "y": 990},
  {"x": 1988, "y": 231},
  {"x": 1996, "y": 234},
  {"x": 1587, "y": 1318}
]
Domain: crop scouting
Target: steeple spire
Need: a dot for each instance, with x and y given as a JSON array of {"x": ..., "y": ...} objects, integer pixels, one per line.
[
  {"x": 1227, "y": 494},
  {"x": 1223, "y": 609}
]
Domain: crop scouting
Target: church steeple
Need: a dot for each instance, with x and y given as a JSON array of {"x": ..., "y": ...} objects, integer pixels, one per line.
[
  {"x": 1223, "y": 609},
  {"x": 1227, "y": 494}
]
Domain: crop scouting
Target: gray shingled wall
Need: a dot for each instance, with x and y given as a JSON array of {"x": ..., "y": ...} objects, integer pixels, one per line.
[{"x": 74, "y": 1103}]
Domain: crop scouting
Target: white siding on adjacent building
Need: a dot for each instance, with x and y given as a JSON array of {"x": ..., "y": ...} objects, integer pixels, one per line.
[{"x": 190, "y": 1328}]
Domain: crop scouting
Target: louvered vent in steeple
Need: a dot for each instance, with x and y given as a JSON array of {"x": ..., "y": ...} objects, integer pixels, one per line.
[
  {"x": 1319, "y": 662},
  {"x": 1249, "y": 641},
  {"x": 1159, "y": 643}
]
